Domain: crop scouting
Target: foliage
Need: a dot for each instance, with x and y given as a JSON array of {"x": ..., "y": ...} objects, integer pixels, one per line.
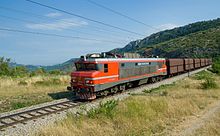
[
  {"x": 160, "y": 89},
  {"x": 22, "y": 71},
  {"x": 50, "y": 82},
  {"x": 208, "y": 80},
  {"x": 55, "y": 72},
  {"x": 209, "y": 83},
  {"x": 23, "y": 83},
  {"x": 6, "y": 70},
  {"x": 216, "y": 66},
  {"x": 202, "y": 75},
  {"x": 4, "y": 67},
  {"x": 105, "y": 109}
]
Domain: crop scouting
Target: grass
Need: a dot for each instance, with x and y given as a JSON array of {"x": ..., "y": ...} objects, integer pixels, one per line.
[
  {"x": 17, "y": 93},
  {"x": 211, "y": 128},
  {"x": 151, "y": 114}
]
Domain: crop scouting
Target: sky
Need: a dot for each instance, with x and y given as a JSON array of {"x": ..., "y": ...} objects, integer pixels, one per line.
[{"x": 37, "y": 49}]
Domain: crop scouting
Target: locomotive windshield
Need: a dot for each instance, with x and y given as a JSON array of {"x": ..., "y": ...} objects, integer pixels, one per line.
[{"x": 86, "y": 66}]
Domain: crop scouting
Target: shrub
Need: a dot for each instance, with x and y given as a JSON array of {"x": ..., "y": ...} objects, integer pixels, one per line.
[
  {"x": 209, "y": 83},
  {"x": 105, "y": 109},
  {"x": 23, "y": 83},
  {"x": 55, "y": 72},
  {"x": 159, "y": 89},
  {"x": 164, "y": 93},
  {"x": 216, "y": 67},
  {"x": 202, "y": 75},
  {"x": 19, "y": 71},
  {"x": 4, "y": 67},
  {"x": 39, "y": 71}
]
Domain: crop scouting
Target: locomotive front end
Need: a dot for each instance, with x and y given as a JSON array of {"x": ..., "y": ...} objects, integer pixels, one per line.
[{"x": 82, "y": 82}]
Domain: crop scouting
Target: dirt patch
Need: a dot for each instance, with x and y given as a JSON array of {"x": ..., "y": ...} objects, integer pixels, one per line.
[{"x": 193, "y": 123}]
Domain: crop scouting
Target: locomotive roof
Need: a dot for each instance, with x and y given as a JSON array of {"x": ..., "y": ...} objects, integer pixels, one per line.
[{"x": 123, "y": 59}]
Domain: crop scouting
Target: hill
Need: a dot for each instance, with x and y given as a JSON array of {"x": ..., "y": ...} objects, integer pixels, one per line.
[
  {"x": 199, "y": 38},
  {"x": 67, "y": 66},
  {"x": 201, "y": 44}
]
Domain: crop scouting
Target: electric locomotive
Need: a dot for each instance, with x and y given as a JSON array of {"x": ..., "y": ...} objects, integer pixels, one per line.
[{"x": 101, "y": 74}]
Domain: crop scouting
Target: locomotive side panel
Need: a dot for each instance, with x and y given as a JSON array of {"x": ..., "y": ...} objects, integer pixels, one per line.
[{"x": 131, "y": 69}]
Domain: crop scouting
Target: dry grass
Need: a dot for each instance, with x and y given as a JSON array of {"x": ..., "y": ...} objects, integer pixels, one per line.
[
  {"x": 211, "y": 128},
  {"x": 21, "y": 92},
  {"x": 148, "y": 114}
]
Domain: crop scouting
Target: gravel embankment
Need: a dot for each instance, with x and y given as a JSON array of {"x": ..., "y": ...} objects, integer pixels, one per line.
[{"x": 32, "y": 127}]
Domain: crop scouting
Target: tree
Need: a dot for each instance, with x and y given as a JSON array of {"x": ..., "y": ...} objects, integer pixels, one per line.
[{"x": 4, "y": 67}]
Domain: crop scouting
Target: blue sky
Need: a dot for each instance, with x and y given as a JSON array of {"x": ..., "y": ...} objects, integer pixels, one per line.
[{"x": 46, "y": 50}]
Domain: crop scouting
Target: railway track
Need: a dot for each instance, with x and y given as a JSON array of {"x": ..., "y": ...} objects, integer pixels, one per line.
[{"x": 22, "y": 117}]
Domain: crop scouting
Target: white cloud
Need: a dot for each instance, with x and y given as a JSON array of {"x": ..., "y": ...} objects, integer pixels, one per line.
[
  {"x": 167, "y": 26},
  {"x": 58, "y": 25},
  {"x": 53, "y": 14}
]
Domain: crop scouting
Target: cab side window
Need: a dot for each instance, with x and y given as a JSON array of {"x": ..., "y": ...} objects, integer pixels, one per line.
[{"x": 106, "y": 68}]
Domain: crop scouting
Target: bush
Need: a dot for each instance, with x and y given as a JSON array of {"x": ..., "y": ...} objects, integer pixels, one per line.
[
  {"x": 216, "y": 66},
  {"x": 23, "y": 83},
  {"x": 19, "y": 71},
  {"x": 202, "y": 75},
  {"x": 55, "y": 72},
  {"x": 105, "y": 109},
  {"x": 209, "y": 83},
  {"x": 7, "y": 70},
  {"x": 39, "y": 71},
  {"x": 48, "y": 82},
  {"x": 4, "y": 67}
]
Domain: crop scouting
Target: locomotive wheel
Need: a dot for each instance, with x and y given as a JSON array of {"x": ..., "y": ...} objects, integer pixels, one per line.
[
  {"x": 114, "y": 89},
  {"x": 153, "y": 80},
  {"x": 122, "y": 88}
]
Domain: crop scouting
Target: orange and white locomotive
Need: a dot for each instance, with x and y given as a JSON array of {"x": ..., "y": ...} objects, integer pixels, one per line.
[{"x": 101, "y": 74}]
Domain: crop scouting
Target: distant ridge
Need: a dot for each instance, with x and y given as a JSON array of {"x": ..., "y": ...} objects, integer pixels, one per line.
[{"x": 67, "y": 66}]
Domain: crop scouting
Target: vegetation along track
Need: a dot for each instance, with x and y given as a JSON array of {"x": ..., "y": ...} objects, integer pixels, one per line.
[{"x": 21, "y": 117}]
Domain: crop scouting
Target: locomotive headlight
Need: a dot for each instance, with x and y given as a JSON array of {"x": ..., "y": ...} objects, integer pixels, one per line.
[
  {"x": 89, "y": 81},
  {"x": 73, "y": 79}
]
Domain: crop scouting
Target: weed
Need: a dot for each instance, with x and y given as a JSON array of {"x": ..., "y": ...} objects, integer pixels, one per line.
[
  {"x": 202, "y": 75},
  {"x": 164, "y": 93},
  {"x": 48, "y": 82},
  {"x": 209, "y": 83},
  {"x": 159, "y": 89},
  {"x": 216, "y": 66},
  {"x": 18, "y": 105},
  {"x": 24, "y": 83},
  {"x": 105, "y": 109}
]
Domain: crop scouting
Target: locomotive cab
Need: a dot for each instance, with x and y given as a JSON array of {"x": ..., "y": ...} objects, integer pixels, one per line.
[{"x": 89, "y": 75}]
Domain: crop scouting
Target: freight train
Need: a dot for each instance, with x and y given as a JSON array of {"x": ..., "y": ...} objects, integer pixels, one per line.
[{"x": 105, "y": 73}]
